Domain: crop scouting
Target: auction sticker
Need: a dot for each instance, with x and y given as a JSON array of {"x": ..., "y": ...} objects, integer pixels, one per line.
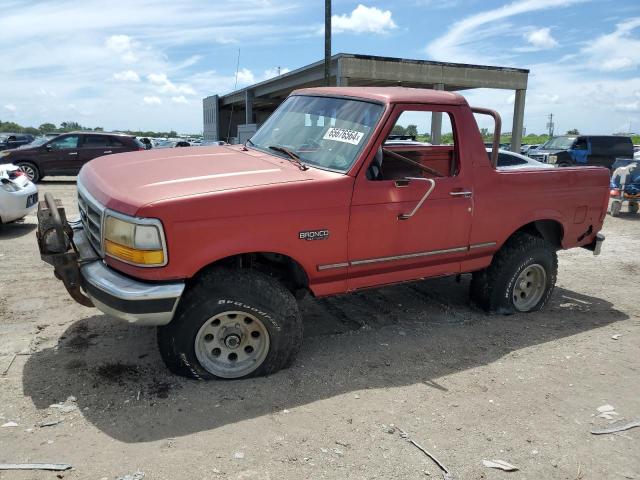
[{"x": 343, "y": 135}]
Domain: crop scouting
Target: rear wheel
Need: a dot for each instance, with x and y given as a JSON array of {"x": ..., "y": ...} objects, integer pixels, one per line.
[
  {"x": 30, "y": 170},
  {"x": 232, "y": 324},
  {"x": 616, "y": 205},
  {"x": 521, "y": 276}
]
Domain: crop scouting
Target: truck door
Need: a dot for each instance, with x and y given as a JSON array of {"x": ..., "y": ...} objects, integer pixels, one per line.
[{"x": 412, "y": 202}]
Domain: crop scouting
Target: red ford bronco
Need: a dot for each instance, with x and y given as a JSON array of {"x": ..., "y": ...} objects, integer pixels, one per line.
[{"x": 214, "y": 244}]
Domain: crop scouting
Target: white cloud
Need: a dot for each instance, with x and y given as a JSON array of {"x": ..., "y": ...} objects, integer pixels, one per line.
[
  {"x": 484, "y": 24},
  {"x": 246, "y": 76},
  {"x": 123, "y": 45},
  {"x": 541, "y": 39},
  {"x": 152, "y": 100},
  {"x": 10, "y": 107},
  {"x": 274, "y": 72},
  {"x": 363, "y": 19},
  {"x": 119, "y": 43},
  {"x": 164, "y": 85},
  {"x": 126, "y": 76},
  {"x": 84, "y": 46},
  {"x": 179, "y": 99},
  {"x": 615, "y": 51}
]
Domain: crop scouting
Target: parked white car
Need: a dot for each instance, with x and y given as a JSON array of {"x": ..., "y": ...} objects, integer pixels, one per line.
[
  {"x": 515, "y": 161},
  {"x": 18, "y": 196}
]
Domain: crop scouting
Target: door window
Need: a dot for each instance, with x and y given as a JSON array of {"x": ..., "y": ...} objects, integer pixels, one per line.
[
  {"x": 65, "y": 143},
  {"x": 95, "y": 141},
  {"x": 421, "y": 144}
]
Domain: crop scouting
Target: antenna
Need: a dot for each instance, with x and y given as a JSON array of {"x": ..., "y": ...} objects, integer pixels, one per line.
[
  {"x": 235, "y": 87},
  {"x": 327, "y": 42}
]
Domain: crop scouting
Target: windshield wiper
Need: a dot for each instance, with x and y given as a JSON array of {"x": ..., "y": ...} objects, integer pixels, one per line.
[{"x": 294, "y": 158}]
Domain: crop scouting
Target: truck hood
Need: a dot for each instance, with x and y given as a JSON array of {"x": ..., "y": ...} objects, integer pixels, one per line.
[{"x": 128, "y": 181}]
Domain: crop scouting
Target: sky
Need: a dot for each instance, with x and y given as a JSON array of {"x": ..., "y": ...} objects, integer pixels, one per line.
[{"x": 147, "y": 64}]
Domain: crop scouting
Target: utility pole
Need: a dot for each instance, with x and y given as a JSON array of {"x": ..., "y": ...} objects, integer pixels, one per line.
[
  {"x": 550, "y": 125},
  {"x": 327, "y": 42}
]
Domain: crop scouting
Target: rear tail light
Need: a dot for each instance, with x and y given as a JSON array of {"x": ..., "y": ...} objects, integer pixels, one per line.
[
  {"x": 15, "y": 174},
  {"x": 614, "y": 192}
]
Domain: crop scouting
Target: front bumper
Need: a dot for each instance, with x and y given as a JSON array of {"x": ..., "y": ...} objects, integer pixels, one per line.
[{"x": 80, "y": 267}]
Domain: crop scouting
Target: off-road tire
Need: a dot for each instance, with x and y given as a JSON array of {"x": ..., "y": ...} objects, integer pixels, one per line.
[
  {"x": 492, "y": 288},
  {"x": 31, "y": 167},
  {"x": 633, "y": 207},
  {"x": 616, "y": 206},
  {"x": 225, "y": 289}
]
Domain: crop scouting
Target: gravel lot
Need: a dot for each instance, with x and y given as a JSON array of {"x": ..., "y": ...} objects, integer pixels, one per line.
[{"x": 464, "y": 385}]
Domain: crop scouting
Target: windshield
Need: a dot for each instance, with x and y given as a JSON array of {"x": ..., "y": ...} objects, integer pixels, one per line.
[
  {"x": 323, "y": 132},
  {"x": 38, "y": 141},
  {"x": 559, "y": 143}
]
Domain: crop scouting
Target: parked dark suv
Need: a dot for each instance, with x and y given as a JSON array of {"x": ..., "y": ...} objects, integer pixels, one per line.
[
  {"x": 67, "y": 153},
  {"x": 573, "y": 150},
  {"x": 9, "y": 141}
]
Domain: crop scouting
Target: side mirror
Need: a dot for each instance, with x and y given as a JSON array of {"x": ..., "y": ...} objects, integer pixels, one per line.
[{"x": 49, "y": 148}]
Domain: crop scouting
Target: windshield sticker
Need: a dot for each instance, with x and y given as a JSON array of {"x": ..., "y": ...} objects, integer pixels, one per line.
[{"x": 343, "y": 135}]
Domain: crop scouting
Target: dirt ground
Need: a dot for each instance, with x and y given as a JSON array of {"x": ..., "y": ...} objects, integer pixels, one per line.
[{"x": 466, "y": 386}]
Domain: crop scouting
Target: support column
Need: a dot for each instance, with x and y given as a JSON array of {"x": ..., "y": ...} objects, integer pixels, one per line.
[
  {"x": 436, "y": 121},
  {"x": 518, "y": 120},
  {"x": 342, "y": 82},
  {"x": 248, "y": 106},
  {"x": 211, "y": 118}
]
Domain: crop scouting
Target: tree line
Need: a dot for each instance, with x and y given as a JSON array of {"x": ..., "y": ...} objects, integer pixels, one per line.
[{"x": 13, "y": 127}]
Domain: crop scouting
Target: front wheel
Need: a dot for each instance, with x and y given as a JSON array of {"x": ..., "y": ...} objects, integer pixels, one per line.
[
  {"x": 633, "y": 207},
  {"x": 616, "y": 206},
  {"x": 30, "y": 170},
  {"x": 521, "y": 276},
  {"x": 232, "y": 324}
]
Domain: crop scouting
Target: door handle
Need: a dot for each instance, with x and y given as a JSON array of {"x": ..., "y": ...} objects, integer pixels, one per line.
[
  {"x": 462, "y": 193},
  {"x": 73, "y": 153},
  {"x": 432, "y": 185},
  {"x": 108, "y": 151}
]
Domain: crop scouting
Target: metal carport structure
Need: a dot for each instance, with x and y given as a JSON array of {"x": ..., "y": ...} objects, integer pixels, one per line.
[{"x": 252, "y": 105}]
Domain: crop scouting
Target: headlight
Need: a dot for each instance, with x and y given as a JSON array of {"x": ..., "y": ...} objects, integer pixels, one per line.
[
  {"x": 8, "y": 185},
  {"x": 552, "y": 159},
  {"x": 135, "y": 241}
]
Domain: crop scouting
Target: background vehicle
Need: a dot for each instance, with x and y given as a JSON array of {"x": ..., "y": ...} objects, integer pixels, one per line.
[
  {"x": 529, "y": 149},
  {"x": 625, "y": 186},
  {"x": 214, "y": 248},
  {"x": 209, "y": 143},
  {"x": 67, "y": 153},
  {"x": 578, "y": 150},
  {"x": 18, "y": 196},
  {"x": 9, "y": 141},
  {"x": 513, "y": 161}
]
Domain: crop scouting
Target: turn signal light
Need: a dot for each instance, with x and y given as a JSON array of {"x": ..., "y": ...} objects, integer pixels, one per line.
[{"x": 133, "y": 255}]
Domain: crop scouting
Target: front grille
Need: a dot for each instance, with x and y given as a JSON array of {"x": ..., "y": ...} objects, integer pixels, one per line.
[
  {"x": 91, "y": 216},
  {"x": 32, "y": 199}
]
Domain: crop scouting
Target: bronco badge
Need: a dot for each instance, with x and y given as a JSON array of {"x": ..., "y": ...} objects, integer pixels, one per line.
[{"x": 314, "y": 235}]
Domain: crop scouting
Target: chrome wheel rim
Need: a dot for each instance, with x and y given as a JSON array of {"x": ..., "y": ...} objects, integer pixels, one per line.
[
  {"x": 529, "y": 287},
  {"x": 232, "y": 344},
  {"x": 28, "y": 171}
]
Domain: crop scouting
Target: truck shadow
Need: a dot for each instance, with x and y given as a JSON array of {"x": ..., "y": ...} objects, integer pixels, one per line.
[{"x": 388, "y": 337}]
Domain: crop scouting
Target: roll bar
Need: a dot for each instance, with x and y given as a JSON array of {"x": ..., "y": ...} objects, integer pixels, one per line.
[{"x": 496, "y": 131}]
